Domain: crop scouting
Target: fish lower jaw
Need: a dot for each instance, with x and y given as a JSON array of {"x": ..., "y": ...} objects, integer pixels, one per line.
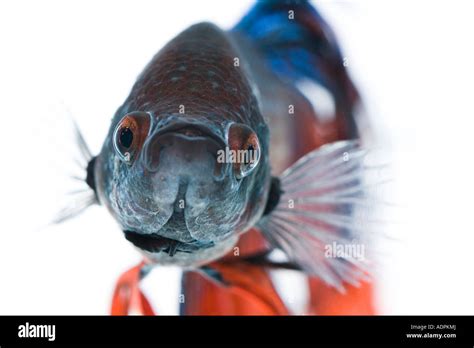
[
  {"x": 158, "y": 243},
  {"x": 192, "y": 259}
]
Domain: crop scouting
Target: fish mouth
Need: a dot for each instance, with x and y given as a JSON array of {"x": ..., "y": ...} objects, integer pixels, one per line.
[
  {"x": 156, "y": 243},
  {"x": 191, "y": 130},
  {"x": 188, "y": 140}
]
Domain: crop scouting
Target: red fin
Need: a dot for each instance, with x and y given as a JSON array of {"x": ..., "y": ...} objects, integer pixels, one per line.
[
  {"x": 249, "y": 292},
  {"x": 326, "y": 301},
  {"x": 128, "y": 297}
]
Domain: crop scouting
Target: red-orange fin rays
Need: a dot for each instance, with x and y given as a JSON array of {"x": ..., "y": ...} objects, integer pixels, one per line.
[{"x": 128, "y": 298}]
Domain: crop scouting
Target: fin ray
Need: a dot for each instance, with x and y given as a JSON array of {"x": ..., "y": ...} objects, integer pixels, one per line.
[
  {"x": 82, "y": 197},
  {"x": 331, "y": 207}
]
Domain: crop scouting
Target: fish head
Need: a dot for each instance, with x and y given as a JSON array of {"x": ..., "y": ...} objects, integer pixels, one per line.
[
  {"x": 185, "y": 167},
  {"x": 185, "y": 188}
]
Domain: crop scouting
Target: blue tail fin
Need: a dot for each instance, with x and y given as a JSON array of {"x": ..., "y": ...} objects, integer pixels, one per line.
[{"x": 298, "y": 44}]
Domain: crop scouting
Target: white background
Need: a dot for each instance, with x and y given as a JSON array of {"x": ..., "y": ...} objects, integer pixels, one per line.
[{"x": 411, "y": 60}]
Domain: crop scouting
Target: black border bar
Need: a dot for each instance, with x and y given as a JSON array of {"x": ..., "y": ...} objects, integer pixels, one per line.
[{"x": 207, "y": 330}]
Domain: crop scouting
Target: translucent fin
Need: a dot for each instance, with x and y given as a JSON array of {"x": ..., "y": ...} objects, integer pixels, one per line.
[
  {"x": 82, "y": 196},
  {"x": 323, "y": 218}
]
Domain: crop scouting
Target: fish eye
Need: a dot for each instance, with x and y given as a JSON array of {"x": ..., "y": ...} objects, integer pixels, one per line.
[
  {"x": 252, "y": 159},
  {"x": 126, "y": 137},
  {"x": 130, "y": 134},
  {"x": 246, "y": 147}
]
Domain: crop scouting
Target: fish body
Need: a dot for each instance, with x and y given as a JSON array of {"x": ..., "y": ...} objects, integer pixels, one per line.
[
  {"x": 194, "y": 97},
  {"x": 207, "y": 92}
]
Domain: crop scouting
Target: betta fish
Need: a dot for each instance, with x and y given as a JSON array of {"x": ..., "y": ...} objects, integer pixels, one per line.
[{"x": 221, "y": 146}]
